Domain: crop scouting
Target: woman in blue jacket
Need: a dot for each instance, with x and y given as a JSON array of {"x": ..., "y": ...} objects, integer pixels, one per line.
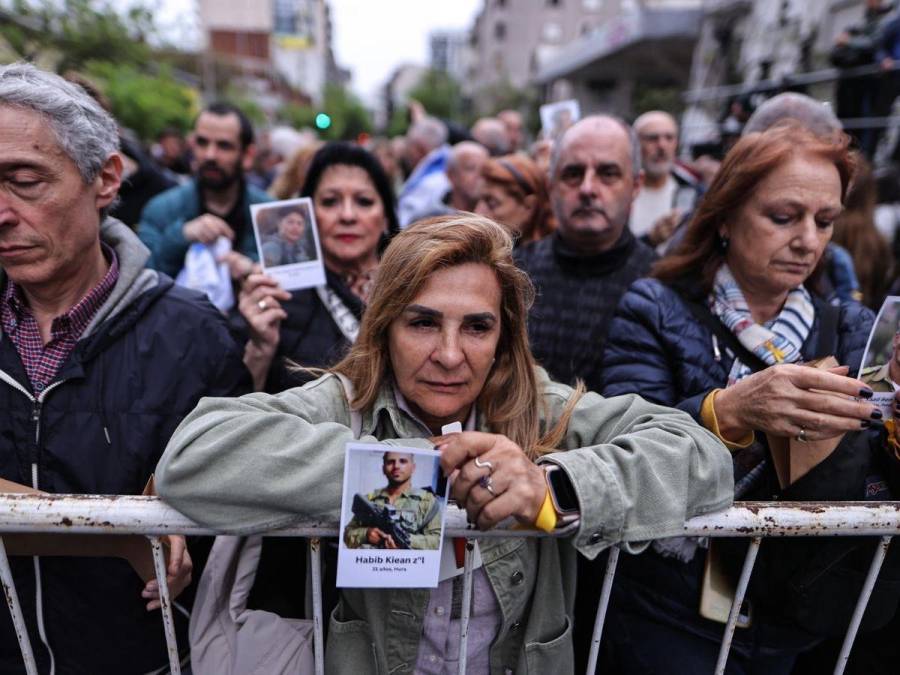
[{"x": 720, "y": 333}]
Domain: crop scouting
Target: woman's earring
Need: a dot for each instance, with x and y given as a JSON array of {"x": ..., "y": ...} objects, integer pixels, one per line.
[{"x": 723, "y": 244}]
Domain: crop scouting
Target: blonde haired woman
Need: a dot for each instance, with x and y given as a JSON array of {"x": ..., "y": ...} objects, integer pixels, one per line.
[{"x": 444, "y": 340}]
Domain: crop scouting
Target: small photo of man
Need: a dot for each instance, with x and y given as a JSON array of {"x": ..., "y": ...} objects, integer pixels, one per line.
[
  {"x": 398, "y": 515},
  {"x": 289, "y": 241}
]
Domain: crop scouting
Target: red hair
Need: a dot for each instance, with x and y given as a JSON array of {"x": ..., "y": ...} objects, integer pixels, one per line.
[{"x": 699, "y": 256}]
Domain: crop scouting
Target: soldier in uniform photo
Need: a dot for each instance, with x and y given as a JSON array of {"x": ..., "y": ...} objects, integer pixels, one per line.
[{"x": 410, "y": 515}]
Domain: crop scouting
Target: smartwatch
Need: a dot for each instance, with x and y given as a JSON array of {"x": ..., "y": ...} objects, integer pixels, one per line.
[{"x": 562, "y": 494}]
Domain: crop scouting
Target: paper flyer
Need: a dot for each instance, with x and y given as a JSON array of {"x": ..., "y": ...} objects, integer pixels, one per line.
[
  {"x": 287, "y": 240},
  {"x": 392, "y": 517},
  {"x": 880, "y": 368}
]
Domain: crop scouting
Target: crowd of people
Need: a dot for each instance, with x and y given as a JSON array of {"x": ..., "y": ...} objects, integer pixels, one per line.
[{"x": 620, "y": 335}]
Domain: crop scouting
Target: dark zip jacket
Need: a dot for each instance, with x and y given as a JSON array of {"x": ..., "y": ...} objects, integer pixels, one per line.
[{"x": 151, "y": 352}]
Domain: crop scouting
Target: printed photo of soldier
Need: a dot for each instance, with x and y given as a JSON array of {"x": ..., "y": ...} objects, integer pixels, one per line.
[{"x": 397, "y": 516}]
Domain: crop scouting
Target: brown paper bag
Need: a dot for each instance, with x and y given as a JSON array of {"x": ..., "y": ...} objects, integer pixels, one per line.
[
  {"x": 132, "y": 547},
  {"x": 793, "y": 459}
]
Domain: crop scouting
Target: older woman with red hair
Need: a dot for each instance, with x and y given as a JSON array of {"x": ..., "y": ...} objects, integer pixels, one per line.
[
  {"x": 723, "y": 332},
  {"x": 515, "y": 195}
]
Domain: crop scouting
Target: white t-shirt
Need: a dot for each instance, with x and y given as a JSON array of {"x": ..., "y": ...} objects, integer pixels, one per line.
[{"x": 651, "y": 204}]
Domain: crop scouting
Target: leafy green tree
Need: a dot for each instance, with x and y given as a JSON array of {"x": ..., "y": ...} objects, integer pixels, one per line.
[
  {"x": 440, "y": 94},
  {"x": 144, "y": 103},
  {"x": 77, "y": 32}
]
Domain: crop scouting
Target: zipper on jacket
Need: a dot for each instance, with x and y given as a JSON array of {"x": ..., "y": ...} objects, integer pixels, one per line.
[{"x": 36, "y": 405}]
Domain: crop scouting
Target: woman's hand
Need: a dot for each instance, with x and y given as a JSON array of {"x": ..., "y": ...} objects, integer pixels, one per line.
[
  {"x": 786, "y": 399},
  {"x": 518, "y": 484},
  {"x": 259, "y": 304},
  {"x": 178, "y": 572}
]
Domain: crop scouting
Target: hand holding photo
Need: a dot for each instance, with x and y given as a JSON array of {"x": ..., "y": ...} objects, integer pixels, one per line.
[
  {"x": 288, "y": 243},
  {"x": 392, "y": 517}
]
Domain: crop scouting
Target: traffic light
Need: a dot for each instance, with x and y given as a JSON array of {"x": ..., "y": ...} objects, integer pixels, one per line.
[{"x": 323, "y": 121}]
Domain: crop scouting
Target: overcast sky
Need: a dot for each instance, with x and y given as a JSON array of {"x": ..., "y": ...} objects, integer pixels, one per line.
[{"x": 371, "y": 37}]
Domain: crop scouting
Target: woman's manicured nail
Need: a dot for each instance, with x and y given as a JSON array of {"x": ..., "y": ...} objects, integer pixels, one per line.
[
  {"x": 865, "y": 424},
  {"x": 865, "y": 392},
  {"x": 876, "y": 414}
]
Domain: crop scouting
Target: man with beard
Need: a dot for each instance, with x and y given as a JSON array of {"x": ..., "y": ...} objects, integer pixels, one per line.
[
  {"x": 585, "y": 266},
  {"x": 214, "y": 203},
  {"x": 669, "y": 192},
  {"x": 417, "y": 510}
]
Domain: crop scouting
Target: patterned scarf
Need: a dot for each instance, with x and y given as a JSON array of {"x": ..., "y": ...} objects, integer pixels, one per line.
[{"x": 778, "y": 341}]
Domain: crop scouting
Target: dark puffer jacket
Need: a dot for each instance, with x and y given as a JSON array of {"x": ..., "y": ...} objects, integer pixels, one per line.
[
  {"x": 151, "y": 353},
  {"x": 658, "y": 349}
]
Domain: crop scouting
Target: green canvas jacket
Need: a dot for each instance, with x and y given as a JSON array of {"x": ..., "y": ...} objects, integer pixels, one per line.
[{"x": 258, "y": 462}]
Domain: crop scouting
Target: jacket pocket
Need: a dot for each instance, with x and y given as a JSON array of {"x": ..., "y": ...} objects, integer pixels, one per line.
[
  {"x": 553, "y": 656},
  {"x": 350, "y": 648}
]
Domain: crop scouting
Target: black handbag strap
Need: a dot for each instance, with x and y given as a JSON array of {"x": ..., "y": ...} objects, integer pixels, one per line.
[
  {"x": 827, "y": 340},
  {"x": 828, "y": 330},
  {"x": 720, "y": 330}
]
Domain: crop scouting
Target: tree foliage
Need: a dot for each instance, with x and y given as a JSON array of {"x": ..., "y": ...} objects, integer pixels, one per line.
[
  {"x": 145, "y": 103},
  {"x": 440, "y": 94},
  {"x": 76, "y": 32}
]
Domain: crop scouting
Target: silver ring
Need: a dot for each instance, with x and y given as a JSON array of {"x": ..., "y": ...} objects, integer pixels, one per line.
[
  {"x": 488, "y": 484},
  {"x": 262, "y": 305},
  {"x": 802, "y": 436},
  {"x": 484, "y": 465}
]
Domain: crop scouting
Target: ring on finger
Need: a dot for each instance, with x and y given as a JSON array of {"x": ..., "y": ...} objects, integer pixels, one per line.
[
  {"x": 484, "y": 465},
  {"x": 262, "y": 305},
  {"x": 802, "y": 436},
  {"x": 488, "y": 484}
]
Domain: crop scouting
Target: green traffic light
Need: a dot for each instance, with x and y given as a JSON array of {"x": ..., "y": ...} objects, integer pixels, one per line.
[{"x": 323, "y": 121}]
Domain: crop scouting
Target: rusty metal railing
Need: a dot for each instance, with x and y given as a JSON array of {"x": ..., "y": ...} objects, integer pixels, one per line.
[{"x": 148, "y": 516}]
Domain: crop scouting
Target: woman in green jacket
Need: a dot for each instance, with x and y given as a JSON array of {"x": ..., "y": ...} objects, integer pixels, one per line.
[{"x": 444, "y": 340}]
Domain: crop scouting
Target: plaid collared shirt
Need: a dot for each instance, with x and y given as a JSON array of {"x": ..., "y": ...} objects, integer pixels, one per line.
[{"x": 43, "y": 361}]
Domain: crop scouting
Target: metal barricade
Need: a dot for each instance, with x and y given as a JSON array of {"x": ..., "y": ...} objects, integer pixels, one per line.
[{"x": 148, "y": 516}]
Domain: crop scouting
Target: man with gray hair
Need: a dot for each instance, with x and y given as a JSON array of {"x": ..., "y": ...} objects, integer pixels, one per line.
[
  {"x": 583, "y": 268},
  {"x": 464, "y": 166},
  {"x": 426, "y": 152},
  {"x": 100, "y": 359},
  {"x": 669, "y": 192},
  {"x": 812, "y": 114}
]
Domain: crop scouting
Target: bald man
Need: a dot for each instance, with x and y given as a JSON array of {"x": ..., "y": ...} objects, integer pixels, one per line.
[
  {"x": 515, "y": 133},
  {"x": 584, "y": 267},
  {"x": 464, "y": 173},
  {"x": 669, "y": 192},
  {"x": 491, "y": 133}
]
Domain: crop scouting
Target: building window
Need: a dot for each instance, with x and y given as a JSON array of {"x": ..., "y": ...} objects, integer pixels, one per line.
[
  {"x": 552, "y": 32},
  {"x": 499, "y": 31}
]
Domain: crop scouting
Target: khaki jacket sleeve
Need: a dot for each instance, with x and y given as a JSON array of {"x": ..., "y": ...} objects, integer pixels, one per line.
[
  {"x": 259, "y": 461},
  {"x": 639, "y": 470}
]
